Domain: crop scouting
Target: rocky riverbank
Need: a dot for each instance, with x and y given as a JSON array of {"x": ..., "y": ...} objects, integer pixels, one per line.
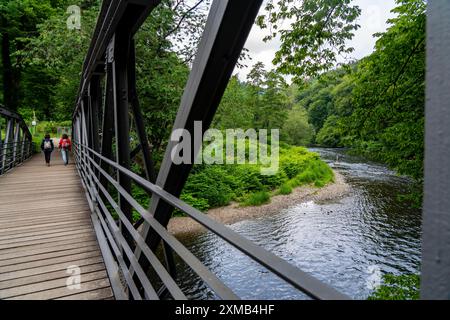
[{"x": 235, "y": 213}]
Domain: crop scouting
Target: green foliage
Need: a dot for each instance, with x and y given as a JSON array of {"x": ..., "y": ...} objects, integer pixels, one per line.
[
  {"x": 376, "y": 106},
  {"x": 285, "y": 189},
  {"x": 257, "y": 199},
  {"x": 218, "y": 185},
  {"x": 330, "y": 135},
  {"x": 403, "y": 287},
  {"x": 259, "y": 103},
  {"x": 213, "y": 184},
  {"x": 297, "y": 130},
  {"x": 317, "y": 33},
  {"x": 18, "y": 23}
]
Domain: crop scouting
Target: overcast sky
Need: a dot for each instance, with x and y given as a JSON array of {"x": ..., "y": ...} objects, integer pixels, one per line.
[{"x": 373, "y": 19}]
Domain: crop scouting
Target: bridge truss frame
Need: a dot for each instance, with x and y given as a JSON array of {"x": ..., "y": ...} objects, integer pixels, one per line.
[
  {"x": 17, "y": 144},
  {"x": 129, "y": 250}
]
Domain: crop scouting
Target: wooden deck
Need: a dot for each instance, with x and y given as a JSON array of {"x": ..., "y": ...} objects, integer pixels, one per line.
[{"x": 45, "y": 228}]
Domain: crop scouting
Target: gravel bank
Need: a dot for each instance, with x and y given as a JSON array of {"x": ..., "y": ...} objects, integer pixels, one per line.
[{"x": 233, "y": 213}]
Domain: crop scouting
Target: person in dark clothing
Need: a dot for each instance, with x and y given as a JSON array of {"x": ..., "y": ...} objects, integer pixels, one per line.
[{"x": 47, "y": 147}]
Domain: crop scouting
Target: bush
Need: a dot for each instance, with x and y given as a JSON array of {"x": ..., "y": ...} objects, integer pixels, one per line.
[
  {"x": 257, "y": 199},
  {"x": 218, "y": 185},
  {"x": 403, "y": 287},
  {"x": 212, "y": 184},
  {"x": 285, "y": 189}
]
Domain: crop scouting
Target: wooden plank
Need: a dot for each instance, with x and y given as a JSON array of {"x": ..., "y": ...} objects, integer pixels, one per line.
[
  {"x": 86, "y": 287},
  {"x": 46, "y": 240},
  {"x": 30, "y": 248},
  {"x": 49, "y": 268},
  {"x": 48, "y": 262},
  {"x": 11, "y": 233},
  {"x": 76, "y": 206},
  {"x": 17, "y": 282},
  {"x": 14, "y": 241},
  {"x": 100, "y": 294},
  {"x": 32, "y": 222},
  {"x": 32, "y": 228},
  {"x": 48, "y": 255},
  {"x": 54, "y": 207},
  {"x": 42, "y": 250},
  {"x": 46, "y": 227},
  {"x": 51, "y": 284}
]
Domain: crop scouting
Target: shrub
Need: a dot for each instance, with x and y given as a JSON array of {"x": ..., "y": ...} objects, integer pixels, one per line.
[
  {"x": 257, "y": 199},
  {"x": 212, "y": 184},
  {"x": 220, "y": 184},
  {"x": 285, "y": 189},
  {"x": 403, "y": 287}
]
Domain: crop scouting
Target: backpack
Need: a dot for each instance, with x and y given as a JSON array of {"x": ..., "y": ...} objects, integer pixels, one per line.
[
  {"x": 65, "y": 144},
  {"x": 47, "y": 145}
]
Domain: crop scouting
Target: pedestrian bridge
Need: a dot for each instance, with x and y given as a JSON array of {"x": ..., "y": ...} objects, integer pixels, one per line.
[
  {"x": 46, "y": 233},
  {"x": 69, "y": 232}
]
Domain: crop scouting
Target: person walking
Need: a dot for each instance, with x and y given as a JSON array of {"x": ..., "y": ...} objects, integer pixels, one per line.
[
  {"x": 65, "y": 145},
  {"x": 47, "y": 147}
]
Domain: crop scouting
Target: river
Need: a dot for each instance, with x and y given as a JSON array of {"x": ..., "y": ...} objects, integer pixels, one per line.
[{"x": 347, "y": 243}]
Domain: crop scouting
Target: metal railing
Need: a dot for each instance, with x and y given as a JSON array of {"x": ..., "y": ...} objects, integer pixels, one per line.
[
  {"x": 17, "y": 144},
  {"x": 129, "y": 249},
  {"x": 104, "y": 205}
]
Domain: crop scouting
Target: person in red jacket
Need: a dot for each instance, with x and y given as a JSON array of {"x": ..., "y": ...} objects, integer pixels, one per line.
[{"x": 65, "y": 145}]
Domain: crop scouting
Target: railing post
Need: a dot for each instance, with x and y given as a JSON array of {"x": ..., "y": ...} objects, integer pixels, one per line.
[
  {"x": 15, "y": 143},
  {"x": 6, "y": 144},
  {"x": 1, "y": 147},
  {"x": 23, "y": 157}
]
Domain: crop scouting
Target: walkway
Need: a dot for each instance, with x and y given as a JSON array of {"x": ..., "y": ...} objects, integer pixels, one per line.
[{"x": 45, "y": 233}]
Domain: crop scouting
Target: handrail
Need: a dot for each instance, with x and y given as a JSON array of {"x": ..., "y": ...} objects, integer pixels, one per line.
[
  {"x": 87, "y": 165},
  {"x": 129, "y": 250},
  {"x": 17, "y": 145}
]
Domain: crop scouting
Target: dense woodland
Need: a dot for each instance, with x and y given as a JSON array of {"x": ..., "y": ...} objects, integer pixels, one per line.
[{"x": 374, "y": 106}]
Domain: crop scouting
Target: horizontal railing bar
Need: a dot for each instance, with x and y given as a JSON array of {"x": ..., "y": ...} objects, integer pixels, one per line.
[
  {"x": 148, "y": 288},
  {"x": 159, "y": 268},
  {"x": 126, "y": 273},
  {"x": 210, "y": 279},
  {"x": 117, "y": 253},
  {"x": 299, "y": 279}
]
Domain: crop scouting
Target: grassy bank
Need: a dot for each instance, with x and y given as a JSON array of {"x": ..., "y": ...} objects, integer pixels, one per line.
[{"x": 212, "y": 186}]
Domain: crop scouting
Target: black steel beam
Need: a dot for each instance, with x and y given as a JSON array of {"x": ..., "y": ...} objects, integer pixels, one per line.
[
  {"x": 436, "y": 209},
  {"x": 121, "y": 118},
  {"x": 108, "y": 116},
  {"x": 137, "y": 115},
  {"x": 114, "y": 15},
  {"x": 227, "y": 29}
]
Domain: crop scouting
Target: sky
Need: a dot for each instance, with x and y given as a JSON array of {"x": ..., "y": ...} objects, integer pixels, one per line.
[{"x": 373, "y": 19}]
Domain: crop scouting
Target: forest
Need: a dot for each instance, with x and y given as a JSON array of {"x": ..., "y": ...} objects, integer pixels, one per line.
[{"x": 373, "y": 106}]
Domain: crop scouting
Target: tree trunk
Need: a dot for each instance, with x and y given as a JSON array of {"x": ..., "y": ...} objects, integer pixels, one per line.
[{"x": 10, "y": 86}]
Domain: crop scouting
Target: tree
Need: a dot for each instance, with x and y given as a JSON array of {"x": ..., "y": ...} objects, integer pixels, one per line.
[
  {"x": 297, "y": 130},
  {"x": 317, "y": 33},
  {"x": 235, "y": 110},
  {"x": 18, "y": 21},
  {"x": 376, "y": 106}
]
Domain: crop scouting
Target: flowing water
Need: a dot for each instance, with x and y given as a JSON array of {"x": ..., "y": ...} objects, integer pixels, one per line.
[{"x": 348, "y": 243}]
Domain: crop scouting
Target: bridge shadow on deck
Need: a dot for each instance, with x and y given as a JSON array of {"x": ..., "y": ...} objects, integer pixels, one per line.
[{"x": 45, "y": 232}]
